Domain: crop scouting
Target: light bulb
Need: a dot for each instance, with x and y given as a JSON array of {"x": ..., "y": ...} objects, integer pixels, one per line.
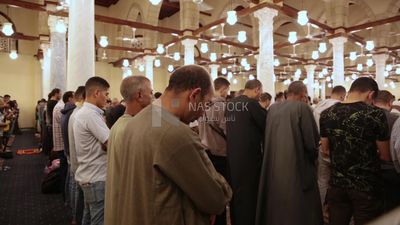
[
  {"x": 398, "y": 70},
  {"x": 231, "y": 18},
  {"x": 370, "y": 45},
  {"x": 302, "y": 18},
  {"x": 60, "y": 26},
  {"x": 359, "y": 67},
  {"x": 170, "y": 68},
  {"x": 155, "y": 2},
  {"x": 157, "y": 63},
  {"x": 328, "y": 79},
  {"x": 247, "y": 67},
  {"x": 230, "y": 75},
  {"x": 353, "y": 56},
  {"x": 251, "y": 77},
  {"x": 322, "y": 47},
  {"x": 243, "y": 62},
  {"x": 235, "y": 81},
  {"x": 160, "y": 49},
  {"x": 386, "y": 85},
  {"x": 315, "y": 55},
  {"x": 103, "y": 42},
  {"x": 129, "y": 72},
  {"x": 325, "y": 71},
  {"x": 389, "y": 67},
  {"x": 297, "y": 73},
  {"x": 223, "y": 71},
  {"x": 276, "y": 62},
  {"x": 329, "y": 85},
  {"x": 292, "y": 37},
  {"x": 141, "y": 68},
  {"x": 198, "y": 1},
  {"x": 353, "y": 76},
  {"x": 242, "y": 36},
  {"x": 7, "y": 29},
  {"x": 370, "y": 62},
  {"x": 332, "y": 77},
  {"x": 177, "y": 56},
  {"x": 213, "y": 56},
  {"x": 320, "y": 75},
  {"x": 13, "y": 55},
  {"x": 386, "y": 74},
  {"x": 204, "y": 47},
  {"x": 348, "y": 79},
  {"x": 305, "y": 81},
  {"x": 125, "y": 63}
]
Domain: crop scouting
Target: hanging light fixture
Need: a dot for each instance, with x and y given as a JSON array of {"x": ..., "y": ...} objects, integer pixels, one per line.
[
  {"x": 247, "y": 67},
  {"x": 7, "y": 29},
  {"x": 125, "y": 63},
  {"x": 297, "y": 74},
  {"x": 60, "y": 26},
  {"x": 224, "y": 71},
  {"x": 389, "y": 67},
  {"x": 370, "y": 62},
  {"x": 276, "y": 62},
  {"x": 315, "y": 55},
  {"x": 386, "y": 74},
  {"x": 13, "y": 54},
  {"x": 359, "y": 67},
  {"x": 231, "y": 18},
  {"x": 353, "y": 56},
  {"x": 305, "y": 81},
  {"x": 328, "y": 79},
  {"x": 292, "y": 37},
  {"x": 322, "y": 47},
  {"x": 302, "y": 18},
  {"x": 353, "y": 76},
  {"x": 170, "y": 68},
  {"x": 329, "y": 85},
  {"x": 243, "y": 62},
  {"x": 251, "y": 77},
  {"x": 398, "y": 70},
  {"x": 160, "y": 49},
  {"x": 235, "y": 81},
  {"x": 204, "y": 47},
  {"x": 129, "y": 72},
  {"x": 369, "y": 45},
  {"x": 157, "y": 63},
  {"x": 103, "y": 42},
  {"x": 230, "y": 75},
  {"x": 141, "y": 68},
  {"x": 324, "y": 71},
  {"x": 155, "y": 2},
  {"x": 347, "y": 79},
  {"x": 385, "y": 85},
  {"x": 198, "y": 1},
  {"x": 177, "y": 56},
  {"x": 213, "y": 56},
  {"x": 320, "y": 75},
  {"x": 242, "y": 36}
]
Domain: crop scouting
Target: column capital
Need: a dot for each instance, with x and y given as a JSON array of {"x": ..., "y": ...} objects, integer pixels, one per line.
[
  {"x": 189, "y": 42},
  {"x": 380, "y": 58},
  {"x": 214, "y": 66},
  {"x": 310, "y": 68},
  {"x": 44, "y": 46},
  {"x": 53, "y": 21},
  {"x": 148, "y": 58},
  {"x": 265, "y": 14},
  {"x": 338, "y": 41}
]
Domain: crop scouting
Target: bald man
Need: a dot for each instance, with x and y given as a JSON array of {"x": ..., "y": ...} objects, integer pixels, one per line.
[{"x": 288, "y": 192}]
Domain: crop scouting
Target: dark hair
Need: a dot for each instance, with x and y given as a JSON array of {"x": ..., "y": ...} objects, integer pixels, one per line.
[
  {"x": 80, "y": 92},
  {"x": 54, "y": 92},
  {"x": 296, "y": 88},
  {"x": 190, "y": 77},
  {"x": 157, "y": 95},
  {"x": 221, "y": 82},
  {"x": 12, "y": 104},
  {"x": 95, "y": 82},
  {"x": 265, "y": 96},
  {"x": 6, "y": 96},
  {"x": 67, "y": 95},
  {"x": 338, "y": 90},
  {"x": 253, "y": 84},
  {"x": 279, "y": 95},
  {"x": 384, "y": 97},
  {"x": 364, "y": 84}
]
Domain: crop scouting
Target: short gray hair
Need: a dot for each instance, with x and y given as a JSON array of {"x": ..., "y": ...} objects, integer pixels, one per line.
[{"x": 132, "y": 85}]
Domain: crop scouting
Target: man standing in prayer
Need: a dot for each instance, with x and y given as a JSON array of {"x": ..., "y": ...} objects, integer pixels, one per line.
[
  {"x": 355, "y": 135},
  {"x": 168, "y": 177},
  {"x": 245, "y": 125},
  {"x": 91, "y": 136},
  {"x": 212, "y": 131},
  {"x": 288, "y": 191},
  {"x": 265, "y": 100}
]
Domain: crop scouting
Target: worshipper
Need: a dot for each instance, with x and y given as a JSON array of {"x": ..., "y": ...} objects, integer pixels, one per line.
[
  {"x": 77, "y": 200},
  {"x": 390, "y": 177},
  {"x": 114, "y": 102},
  {"x": 113, "y": 114},
  {"x": 212, "y": 131},
  {"x": 391, "y": 218},
  {"x": 265, "y": 100},
  {"x": 351, "y": 133},
  {"x": 6, "y": 98},
  {"x": 167, "y": 175},
  {"x": 47, "y": 135},
  {"x": 279, "y": 97},
  {"x": 337, "y": 95},
  {"x": 245, "y": 125},
  {"x": 288, "y": 192},
  {"x": 91, "y": 134},
  {"x": 157, "y": 95},
  {"x": 239, "y": 93}
]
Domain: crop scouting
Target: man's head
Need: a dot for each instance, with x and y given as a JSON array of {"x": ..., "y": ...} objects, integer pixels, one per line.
[
  {"x": 280, "y": 97},
  {"x": 136, "y": 90},
  {"x": 55, "y": 94},
  {"x": 297, "y": 91},
  {"x": 265, "y": 100},
  {"x": 68, "y": 97},
  {"x": 384, "y": 100},
  {"x": 2, "y": 104},
  {"x": 157, "y": 95},
  {"x": 253, "y": 89},
  {"x": 80, "y": 94},
  {"x": 114, "y": 102},
  {"x": 365, "y": 88},
  {"x": 221, "y": 87},
  {"x": 6, "y": 98},
  {"x": 187, "y": 93},
  {"x": 338, "y": 93},
  {"x": 96, "y": 89}
]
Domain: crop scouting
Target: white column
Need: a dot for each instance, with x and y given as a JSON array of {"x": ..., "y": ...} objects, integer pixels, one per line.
[
  {"x": 323, "y": 90},
  {"x": 214, "y": 71},
  {"x": 265, "y": 62},
  {"x": 149, "y": 61},
  {"x": 45, "y": 70},
  {"x": 189, "y": 50},
  {"x": 380, "y": 63},
  {"x": 338, "y": 60},
  {"x": 80, "y": 43},
  {"x": 310, "y": 78},
  {"x": 58, "y": 45}
]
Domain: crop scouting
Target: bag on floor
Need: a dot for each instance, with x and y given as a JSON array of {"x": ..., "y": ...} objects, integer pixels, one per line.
[
  {"x": 7, "y": 154},
  {"x": 51, "y": 182}
]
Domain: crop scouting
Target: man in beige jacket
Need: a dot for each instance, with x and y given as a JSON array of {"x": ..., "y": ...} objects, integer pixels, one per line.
[{"x": 164, "y": 176}]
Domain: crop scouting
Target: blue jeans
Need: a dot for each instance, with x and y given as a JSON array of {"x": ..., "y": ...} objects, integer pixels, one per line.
[{"x": 93, "y": 194}]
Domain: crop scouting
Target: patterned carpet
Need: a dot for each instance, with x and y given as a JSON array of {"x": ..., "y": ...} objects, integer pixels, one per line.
[{"x": 21, "y": 202}]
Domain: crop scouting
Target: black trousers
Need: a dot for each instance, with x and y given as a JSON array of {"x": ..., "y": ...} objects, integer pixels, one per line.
[
  {"x": 391, "y": 189},
  {"x": 344, "y": 203},
  {"x": 63, "y": 169}
]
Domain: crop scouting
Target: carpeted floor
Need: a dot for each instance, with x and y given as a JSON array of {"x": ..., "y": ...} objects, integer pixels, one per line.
[{"x": 21, "y": 202}]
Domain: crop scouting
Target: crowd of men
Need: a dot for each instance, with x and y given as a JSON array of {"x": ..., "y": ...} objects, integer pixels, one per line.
[
  {"x": 9, "y": 114},
  {"x": 251, "y": 162}
]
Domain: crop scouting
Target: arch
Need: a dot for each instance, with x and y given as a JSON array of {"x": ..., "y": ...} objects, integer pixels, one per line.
[
  {"x": 9, "y": 20},
  {"x": 134, "y": 11},
  {"x": 365, "y": 7},
  {"x": 228, "y": 6}
]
